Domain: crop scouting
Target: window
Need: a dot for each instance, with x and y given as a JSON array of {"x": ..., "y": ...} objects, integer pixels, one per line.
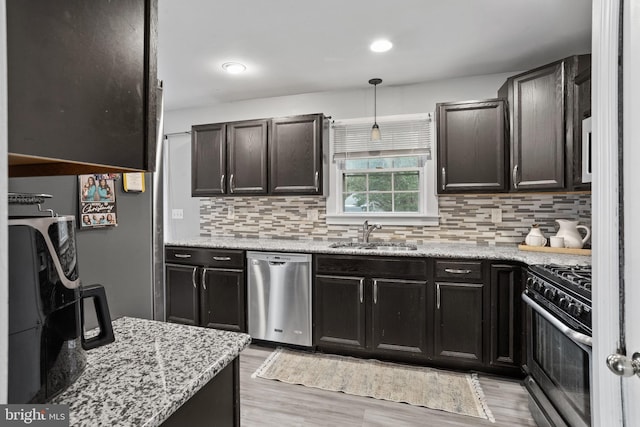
[
  {"x": 391, "y": 181},
  {"x": 384, "y": 184}
]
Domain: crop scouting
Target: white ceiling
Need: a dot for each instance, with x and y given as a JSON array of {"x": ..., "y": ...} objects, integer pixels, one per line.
[{"x": 302, "y": 46}]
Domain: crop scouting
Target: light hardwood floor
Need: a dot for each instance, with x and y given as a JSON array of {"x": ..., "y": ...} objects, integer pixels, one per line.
[{"x": 273, "y": 403}]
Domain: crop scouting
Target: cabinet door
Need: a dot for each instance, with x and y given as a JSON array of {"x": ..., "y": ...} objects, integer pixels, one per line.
[
  {"x": 295, "y": 164},
  {"x": 538, "y": 134},
  {"x": 81, "y": 85},
  {"x": 182, "y": 294},
  {"x": 458, "y": 322},
  {"x": 506, "y": 316},
  {"x": 247, "y": 157},
  {"x": 223, "y": 299},
  {"x": 399, "y": 314},
  {"x": 208, "y": 160},
  {"x": 471, "y": 146},
  {"x": 339, "y": 312},
  {"x": 581, "y": 148}
]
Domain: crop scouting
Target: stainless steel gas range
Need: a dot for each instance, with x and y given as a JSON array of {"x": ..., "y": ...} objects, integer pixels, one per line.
[{"x": 558, "y": 313}]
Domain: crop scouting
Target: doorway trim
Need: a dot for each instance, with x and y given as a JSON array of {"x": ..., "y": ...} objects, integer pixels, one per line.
[{"x": 606, "y": 391}]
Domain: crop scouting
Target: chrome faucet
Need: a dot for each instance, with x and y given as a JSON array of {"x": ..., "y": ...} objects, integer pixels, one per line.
[{"x": 368, "y": 229}]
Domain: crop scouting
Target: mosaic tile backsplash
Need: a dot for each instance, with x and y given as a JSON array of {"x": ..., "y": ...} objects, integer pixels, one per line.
[{"x": 464, "y": 218}]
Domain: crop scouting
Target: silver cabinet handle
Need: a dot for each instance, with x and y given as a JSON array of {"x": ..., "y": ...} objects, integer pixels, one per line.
[
  {"x": 361, "y": 290},
  {"x": 182, "y": 255},
  {"x": 316, "y": 181},
  {"x": 231, "y": 183},
  {"x": 222, "y": 258},
  {"x": 514, "y": 176},
  {"x": 444, "y": 178},
  {"x": 456, "y": 271},
  {"x": 193, "y": 278},
  {"x": 203, "y": 280},
  {"x": 222, "y": 183},
  {"x": 438, "y": 296},
  {"x": 375, "y": 291}
]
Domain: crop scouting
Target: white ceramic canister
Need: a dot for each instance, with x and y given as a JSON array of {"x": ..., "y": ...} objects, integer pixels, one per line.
[{"x": 535, "y": 237}]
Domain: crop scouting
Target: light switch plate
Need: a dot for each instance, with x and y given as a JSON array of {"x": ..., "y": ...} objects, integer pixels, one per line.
[
  {"x": 231, "y": 212},
  {"x": 177, "y": 214},
  {"x": 496, "y": 215}
]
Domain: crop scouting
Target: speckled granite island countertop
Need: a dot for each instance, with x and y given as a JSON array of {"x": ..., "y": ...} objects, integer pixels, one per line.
[
  {"x": 436, "y": 250},
  {"x": 150, "y": 370}
]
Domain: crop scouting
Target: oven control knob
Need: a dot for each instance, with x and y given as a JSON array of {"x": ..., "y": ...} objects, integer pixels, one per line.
[
  {"x": 549, "y": 293},
  {"x": 563, "y": 302},
  {"x": 575, "y": 309}
]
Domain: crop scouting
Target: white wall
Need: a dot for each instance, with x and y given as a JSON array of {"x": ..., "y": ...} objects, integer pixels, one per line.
[
  {"x": 4, "y": 272},
  {"x": 392, "y": 100},
  {"x": 417, "y": 98},
  {"x": 177, "y": 190}
]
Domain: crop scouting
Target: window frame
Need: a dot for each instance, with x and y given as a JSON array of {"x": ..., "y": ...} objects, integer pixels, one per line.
[{"x": 428, "y": 202}]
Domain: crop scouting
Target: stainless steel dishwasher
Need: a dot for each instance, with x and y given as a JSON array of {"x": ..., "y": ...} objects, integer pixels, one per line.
[{"x": 279, "y": 295}]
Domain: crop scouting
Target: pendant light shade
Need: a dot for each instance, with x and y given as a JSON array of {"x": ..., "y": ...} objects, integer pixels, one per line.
[{"x": 375, "y": 130}]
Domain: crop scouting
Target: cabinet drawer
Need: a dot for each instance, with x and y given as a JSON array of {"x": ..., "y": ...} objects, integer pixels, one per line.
[
  {"x": 222, "y": 258},
  {"x": 459, "y": 270}
]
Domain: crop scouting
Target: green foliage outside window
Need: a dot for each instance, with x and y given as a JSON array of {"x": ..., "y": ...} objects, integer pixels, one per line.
[{"x": 383, "y": 191}]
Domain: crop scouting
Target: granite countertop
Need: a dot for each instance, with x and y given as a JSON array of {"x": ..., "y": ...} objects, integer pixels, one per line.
[
  {"x": 437, "y": 249},
  {"x": 150, "y": 370}
]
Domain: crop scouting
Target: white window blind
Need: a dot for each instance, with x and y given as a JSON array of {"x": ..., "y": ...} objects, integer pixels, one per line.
[{"x": 399, "y": 138}]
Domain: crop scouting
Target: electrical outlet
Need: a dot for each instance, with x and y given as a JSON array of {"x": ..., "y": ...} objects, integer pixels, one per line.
[
  {"x": 177, "y": 214},
  {"x": 312, "y": 215},
  {"x": 496, "y": 215},
  {"x": 231, "y": 212}
]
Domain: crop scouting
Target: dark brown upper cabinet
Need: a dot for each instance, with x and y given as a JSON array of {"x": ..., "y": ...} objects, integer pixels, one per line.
[
  {"x": 208, "y": 159},
  {"x": 295, "y": 163},
  {"x": 229, "y": 158},
  {"x": 541, "y": 124},
  {"x": 247, "y": 157},
  {"x": 82, "y": 86},
  {"x": 581, "y": 142},
  {"x": 259, "y": 157},
  {"x": 471, "y": 146}
]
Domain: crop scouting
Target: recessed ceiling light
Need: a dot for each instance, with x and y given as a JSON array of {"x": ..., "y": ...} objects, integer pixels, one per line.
[
  {"x": 234, "y": 67},
  {"x": 381, "y": 45}
]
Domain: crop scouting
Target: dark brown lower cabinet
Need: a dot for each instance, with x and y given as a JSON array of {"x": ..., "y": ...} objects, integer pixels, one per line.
[
  {"x": 206, "y": 297},
  {"x": 458, "y": 322},
  {"x": 373, "y": 306},
  {"x": 383, "y": 316},
  {"x": 399, "y": 316},
  {"x": 340, "y": 312},
  {"x": 506, "y": 316},
  {"x": 217, "y": 403},
  {"x": 206, "y": 287},
  {"x": 182, "y": 296},
  {"x": 453, "y": 313},
  {"x": 222, "y": 300}
]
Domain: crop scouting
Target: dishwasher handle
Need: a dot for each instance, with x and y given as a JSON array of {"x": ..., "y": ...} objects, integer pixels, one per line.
[{"x": 277, "y": 262}]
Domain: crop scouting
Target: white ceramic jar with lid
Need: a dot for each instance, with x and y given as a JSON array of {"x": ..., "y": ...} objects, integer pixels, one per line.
[{"x": 535, "y": 237}]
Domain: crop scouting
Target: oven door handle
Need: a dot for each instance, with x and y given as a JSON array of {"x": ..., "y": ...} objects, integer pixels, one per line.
[{"x": 574, "y": 336}]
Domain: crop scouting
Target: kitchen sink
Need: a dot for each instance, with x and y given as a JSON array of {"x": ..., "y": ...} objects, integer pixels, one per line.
[{"x": 375, "y": 246}]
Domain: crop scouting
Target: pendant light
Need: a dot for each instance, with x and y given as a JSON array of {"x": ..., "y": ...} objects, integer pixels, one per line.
[{"x": 375, "y": 130}]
